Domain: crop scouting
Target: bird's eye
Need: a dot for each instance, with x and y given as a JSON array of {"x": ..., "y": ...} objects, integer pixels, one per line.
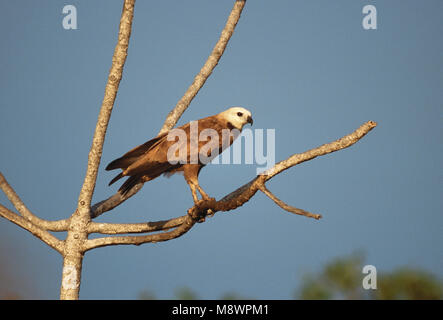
[{"x": 239, "y": 114}]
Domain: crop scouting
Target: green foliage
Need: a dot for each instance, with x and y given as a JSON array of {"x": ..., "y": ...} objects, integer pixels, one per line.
[
  {"x": 314, "y": 289},
  {"x": 233, "y": 296},
  {"x": 344, "y": 275},
  {"x": 342, "y": 279},
  {"x": 185, "y": 293},
  {"x": 409, "y": 284},
  {"x": 147, "y": 295}
]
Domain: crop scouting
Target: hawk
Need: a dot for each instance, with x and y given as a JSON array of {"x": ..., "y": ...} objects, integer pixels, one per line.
[{"x": 156, "y": 157}]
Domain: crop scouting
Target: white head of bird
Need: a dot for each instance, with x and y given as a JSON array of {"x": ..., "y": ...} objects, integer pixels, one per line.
[{"x": 237, "y": 116}]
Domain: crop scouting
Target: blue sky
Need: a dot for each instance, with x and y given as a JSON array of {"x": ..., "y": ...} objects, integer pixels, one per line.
[{"x": 304, "y": 68}]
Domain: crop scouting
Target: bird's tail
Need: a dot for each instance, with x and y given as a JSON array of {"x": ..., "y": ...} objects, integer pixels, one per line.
[
  {"x": 117, "y": 177},
  {"x": 128, "y": 184}
]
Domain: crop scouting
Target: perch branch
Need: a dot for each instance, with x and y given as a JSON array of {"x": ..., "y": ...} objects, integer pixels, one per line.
[
  {"x": 195, "y": 214},
  {"x": 184, "y": 227},
  {"x": 231, "y": 201},
  {"x": 245, "y": 192},
  {"x": 339, "y": 144}
]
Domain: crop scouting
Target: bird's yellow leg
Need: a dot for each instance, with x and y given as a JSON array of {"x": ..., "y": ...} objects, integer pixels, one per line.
[
  {"x": 194, "y": 192},
  {"x": 205, "y": 197},
  {"x": 204, "y": 194}
]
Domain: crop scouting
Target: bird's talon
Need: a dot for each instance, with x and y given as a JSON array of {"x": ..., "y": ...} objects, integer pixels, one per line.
[
  {"x": 210, "y": 213},
  {"x": 202, "y": 209}
]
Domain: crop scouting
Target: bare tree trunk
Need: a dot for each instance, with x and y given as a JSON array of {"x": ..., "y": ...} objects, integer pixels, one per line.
[
  {"x": 79, "y": 221},
  {"x": 71, "y": 274}
]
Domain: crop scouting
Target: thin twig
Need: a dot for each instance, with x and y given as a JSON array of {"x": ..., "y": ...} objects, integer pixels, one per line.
[
  {"x": 207, "y": 68},
  {"x": 287, "y": 207}
]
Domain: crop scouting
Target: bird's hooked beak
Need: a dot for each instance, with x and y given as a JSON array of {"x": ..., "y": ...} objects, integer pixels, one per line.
[{"x": 249, "y": 120}]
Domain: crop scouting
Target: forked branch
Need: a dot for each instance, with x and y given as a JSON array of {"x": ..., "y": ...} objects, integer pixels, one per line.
[
  {"x": 206, "y": 70},
  {"x": 40, "y": 233},
  {"x": 287, "y": 207},
  {"x": 59, "y": 225}
]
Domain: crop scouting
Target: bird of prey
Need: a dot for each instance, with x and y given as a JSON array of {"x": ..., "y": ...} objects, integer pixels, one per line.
[{"x": 150, "y": 160}]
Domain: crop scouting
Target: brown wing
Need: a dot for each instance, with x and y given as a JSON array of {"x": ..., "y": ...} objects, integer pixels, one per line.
[
  {"x": 131, "y": 156},
  {"x": 150, "y": 160},
  {"x": 155, "y": 160},
  {"x": 209, "y": 149}
]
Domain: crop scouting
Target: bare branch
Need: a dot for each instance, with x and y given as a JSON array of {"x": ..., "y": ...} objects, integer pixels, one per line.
[
  {"x": 121, "y": 228},
  {"x": 286, "y": 207},
  {"x": 113, "y": 201},
  {"x": 231, "y": 201},
  {"x": 248, "y": 190},
  {"x": 207, "y": 68},
  {"x": 59, "y": 225},
  {"x": 24, "y": 223},
  {"x": 186, "y": 225},
  {"x": 339, "y": 144},
  {"x": 114, "y": 77}
]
